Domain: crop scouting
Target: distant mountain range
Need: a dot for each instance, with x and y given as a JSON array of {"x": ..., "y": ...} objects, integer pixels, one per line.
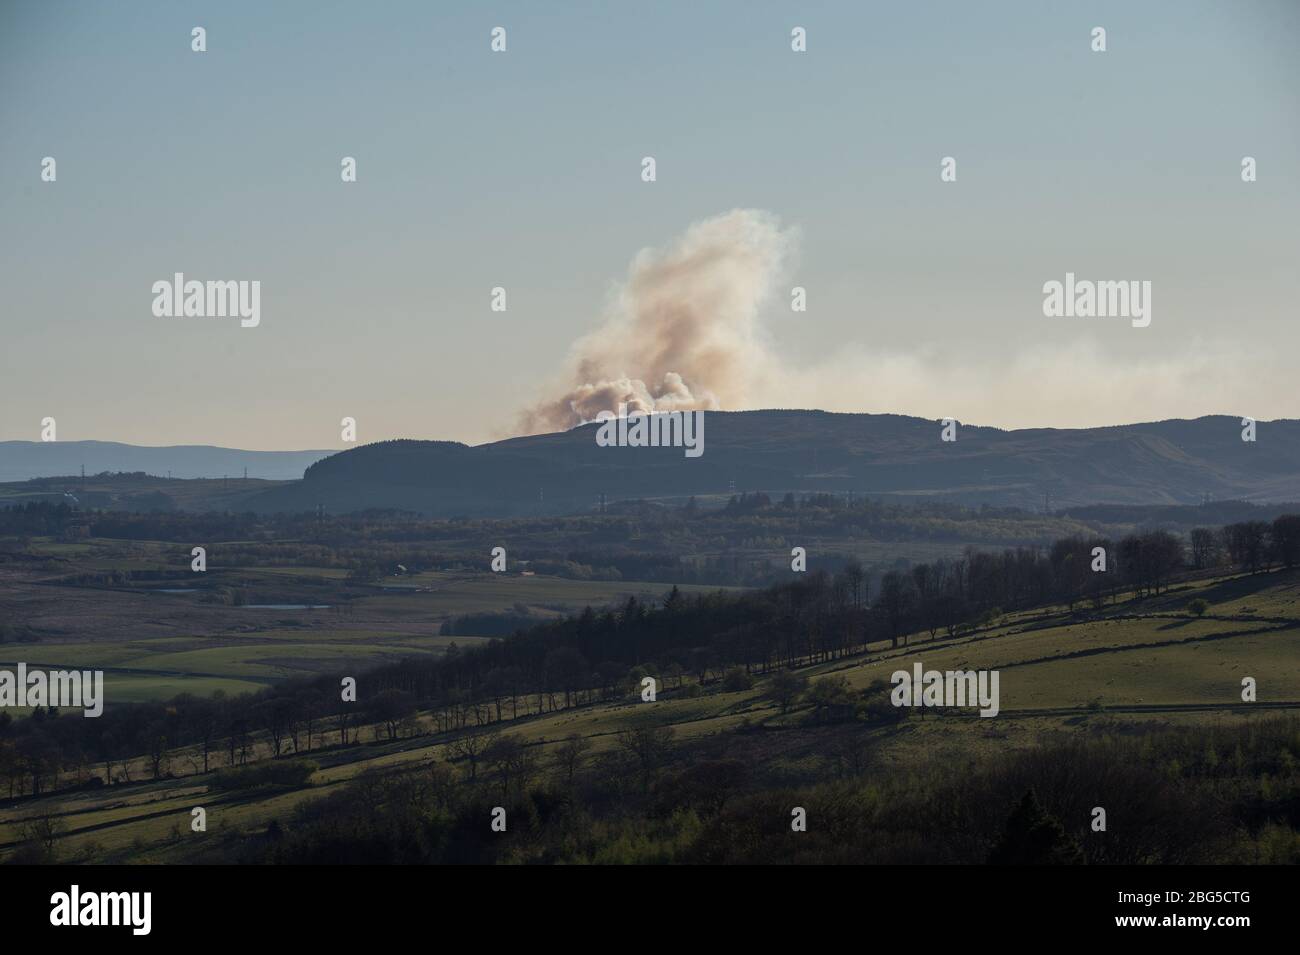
[
  {"x": 24, "y": 460},
  {"x": 1164, "y": 462}
]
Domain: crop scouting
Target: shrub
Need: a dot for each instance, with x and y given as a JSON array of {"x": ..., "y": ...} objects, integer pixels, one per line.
[{"x": 736, "y": 679}]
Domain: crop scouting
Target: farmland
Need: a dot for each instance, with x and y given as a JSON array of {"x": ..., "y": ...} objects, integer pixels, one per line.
[
  {"x": 368, "y": 689},
  {"x": 153, "y": 644},
  {"x": 1141, "y": 667}
]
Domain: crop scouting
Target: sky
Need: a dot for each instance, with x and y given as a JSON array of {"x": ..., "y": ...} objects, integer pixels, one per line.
[{"x": 523, "y": 170}]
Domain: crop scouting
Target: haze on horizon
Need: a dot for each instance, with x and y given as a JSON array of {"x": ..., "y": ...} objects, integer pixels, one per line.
[{"x": 775, "y": 169}]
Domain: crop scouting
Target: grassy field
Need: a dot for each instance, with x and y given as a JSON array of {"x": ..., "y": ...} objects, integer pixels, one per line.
[
  {"x": 1163, "y": 656},
  {"x": 153, "y": 645},
  {"x": 1141, "y": 665}
]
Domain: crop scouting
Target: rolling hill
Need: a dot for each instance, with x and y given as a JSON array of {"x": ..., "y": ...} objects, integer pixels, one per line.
[
  {"x": 1158, "y": 463},
  {"x": 1167, "y": 462}
]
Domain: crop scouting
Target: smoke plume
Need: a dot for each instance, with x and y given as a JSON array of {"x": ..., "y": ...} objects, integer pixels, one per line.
[{"x": 683, "y": 332}]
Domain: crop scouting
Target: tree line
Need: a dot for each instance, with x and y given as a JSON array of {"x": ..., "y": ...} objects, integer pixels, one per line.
[{"x": 682, "y": 641}]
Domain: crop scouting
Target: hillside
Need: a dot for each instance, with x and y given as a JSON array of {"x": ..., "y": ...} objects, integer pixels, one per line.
[
  {"x": 1147, "y": 694},
  {"x": 1173, "y": 462},
  {"x": 1168, "y": 462}
]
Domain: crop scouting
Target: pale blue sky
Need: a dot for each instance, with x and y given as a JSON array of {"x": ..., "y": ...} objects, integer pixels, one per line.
[{"x": 522, "y": 170}]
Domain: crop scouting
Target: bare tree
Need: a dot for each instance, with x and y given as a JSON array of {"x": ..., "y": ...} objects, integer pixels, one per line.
[
  {"x": 785, "y": 688},
  {"x": 43, "y": 831},
  {"x": 470, "y": 747},
  {"x": 391, "y": 707},
  {"x": 648, "y": 747},
  {"x": 513, "y": 761},
  {"x": 570, "y": 754}
]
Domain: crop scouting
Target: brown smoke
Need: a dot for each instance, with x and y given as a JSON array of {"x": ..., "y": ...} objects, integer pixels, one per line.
[{"x": 684, "y": 331}]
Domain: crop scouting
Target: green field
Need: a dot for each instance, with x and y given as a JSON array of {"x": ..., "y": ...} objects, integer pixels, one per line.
[
  {"x": 155, "y": 645},
  {"x": 1144, "y": 664}
]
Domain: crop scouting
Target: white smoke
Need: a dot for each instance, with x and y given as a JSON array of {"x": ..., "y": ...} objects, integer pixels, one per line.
[{"x": 684, "y": 332}]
